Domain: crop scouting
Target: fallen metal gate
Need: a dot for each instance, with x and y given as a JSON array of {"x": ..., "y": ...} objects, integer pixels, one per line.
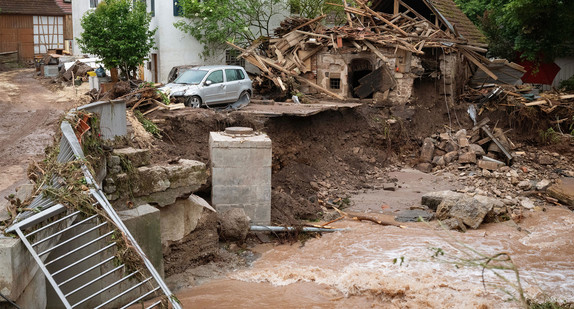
[{"x": 92, "y": 268}]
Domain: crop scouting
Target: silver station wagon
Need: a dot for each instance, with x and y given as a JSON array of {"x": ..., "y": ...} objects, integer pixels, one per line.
[{"x": 211, "y": 85}]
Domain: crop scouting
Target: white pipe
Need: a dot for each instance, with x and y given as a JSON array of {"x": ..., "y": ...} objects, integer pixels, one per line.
[{"x": 266, "y": 228}]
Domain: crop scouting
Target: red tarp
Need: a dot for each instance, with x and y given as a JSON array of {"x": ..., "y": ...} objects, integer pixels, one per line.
[{"x": 539, "y": 73}]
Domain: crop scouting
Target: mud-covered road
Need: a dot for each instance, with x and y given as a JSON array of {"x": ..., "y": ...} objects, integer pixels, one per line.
[{"x": 30, "y": 108}]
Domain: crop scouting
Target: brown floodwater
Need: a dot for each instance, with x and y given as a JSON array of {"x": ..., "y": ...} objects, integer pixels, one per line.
[{"x": 372, "y": 266}]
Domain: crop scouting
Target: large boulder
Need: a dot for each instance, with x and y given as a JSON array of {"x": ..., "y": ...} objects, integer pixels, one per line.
[
  {"x": 471, "y": 210},
  {"x": 233, "y": 224}
]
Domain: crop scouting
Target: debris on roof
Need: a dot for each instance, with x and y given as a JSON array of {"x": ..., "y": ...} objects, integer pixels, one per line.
[{"x": 288, "y": 58}]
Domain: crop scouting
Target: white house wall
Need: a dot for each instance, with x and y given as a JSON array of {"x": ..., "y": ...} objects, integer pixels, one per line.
[
  {"x": 79, "y": 7},
  {"x": 173, "y": 47}
]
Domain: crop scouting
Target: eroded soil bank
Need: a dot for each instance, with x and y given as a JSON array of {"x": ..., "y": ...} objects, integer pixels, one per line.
[{"x": 341, "y": 156}]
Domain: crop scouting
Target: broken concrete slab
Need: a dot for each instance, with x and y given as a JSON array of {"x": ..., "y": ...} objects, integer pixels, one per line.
[
  {"x": 563, "y": 190},
  {"x": 160, "y": 184},
  {"x": 181, "y": 218}
]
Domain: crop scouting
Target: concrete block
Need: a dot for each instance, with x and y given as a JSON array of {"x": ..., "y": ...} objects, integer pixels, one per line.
[
  {"x": 222, "y": 140},
  {"x": 33, "y": 296},
  {"x": 144, "y": 224},
  {"x": 241, "y": 174},
  {"x": 17, "y": 267},
  {"x": 240, "y": 195},
  {"x": 230, "y": 176},
  {"x": 230, "y": 157}
]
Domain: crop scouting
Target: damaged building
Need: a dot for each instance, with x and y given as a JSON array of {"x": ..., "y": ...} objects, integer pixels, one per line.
[{"x": 384, "y": 51}]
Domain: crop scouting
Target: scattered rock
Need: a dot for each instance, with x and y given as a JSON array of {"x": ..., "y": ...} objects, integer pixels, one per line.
[
  {"x": 488, "y": 165},
  {"x": 525, "y": 185},
  {"x": 314, "y": 185},
  {"x": 439, "y": 161},
  {"x": 467, "y": 157},
  {"x": 453, "y": 224},
  {"x": 389, "y": 186},
  {"x": 427, "y": 150},
  {"x": 471, "y": 210},
  {"x": 527, "y": 203},
  {"x": 433, "y": 199},
  {"x": 450, "y": 156},
  {"x": 542, "y": 185},
  {"x": 544, "y": 159},
  {"x": 233, "y": 224},
  {"x": 414, "y": 215},
  {"x": 476, "y": 149},
  {"x": 424, "y": 167}
]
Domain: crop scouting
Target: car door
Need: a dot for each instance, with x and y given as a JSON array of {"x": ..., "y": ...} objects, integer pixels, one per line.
[
  {"x": 215, "y": 92},
  {"x": 233, "y": 87}
]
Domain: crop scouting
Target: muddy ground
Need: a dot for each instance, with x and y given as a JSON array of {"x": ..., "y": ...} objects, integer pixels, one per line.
[{"x": 30, "y": 111}]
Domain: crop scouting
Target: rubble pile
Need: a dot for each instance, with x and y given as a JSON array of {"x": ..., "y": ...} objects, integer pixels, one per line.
[
  {"x": 530, "y": 179},
  {"x": 287, "y": 58},
  {"x": 530, "y": 110},
  {"x": 482, "y": 147},
  {"x": 77, "y": 70}
]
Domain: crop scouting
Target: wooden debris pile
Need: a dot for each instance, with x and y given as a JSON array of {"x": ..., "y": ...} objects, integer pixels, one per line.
[
  {"x": 289, "y": 56},
  {"x": 143, "y": 96}
]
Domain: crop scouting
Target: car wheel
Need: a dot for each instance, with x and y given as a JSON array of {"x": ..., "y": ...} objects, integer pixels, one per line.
[
  {"x": 245, "y": 95},
  {"x": 193, "y": 101}
]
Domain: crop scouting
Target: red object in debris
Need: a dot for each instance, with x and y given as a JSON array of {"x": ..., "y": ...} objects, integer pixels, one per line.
[
  {"x": 524, "y": 169},
  {"x": 82, "y": 127},
  {"x": 539, "y": 73}
]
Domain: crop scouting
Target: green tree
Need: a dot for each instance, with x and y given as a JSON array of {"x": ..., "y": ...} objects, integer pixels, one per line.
[
  {"x": 536, "y": 29},
  {"x": 214, "y": 22},
  {"x": 118, "y": 32}
]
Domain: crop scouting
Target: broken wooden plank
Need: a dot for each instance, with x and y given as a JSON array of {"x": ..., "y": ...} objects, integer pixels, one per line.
[
  {"x": 469, "y": 56},
  {"x": 376, "y": 51},
  {"x": 151, "y": 110},
  {"x": 369, "y": 83},
  {"x": 536, "y": 103},
  {"x": 499, "y": 144},
  {"x": 349, "y": 20},
  {"x": 313, "y": 34},
  {"x": 312, "y": 21},
  {"x": 379, "y": 16},
  {"x": 176, "y": 106}
]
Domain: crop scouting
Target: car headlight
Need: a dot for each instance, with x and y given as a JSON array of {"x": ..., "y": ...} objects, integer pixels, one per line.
[{"x": 177, "y": 94}]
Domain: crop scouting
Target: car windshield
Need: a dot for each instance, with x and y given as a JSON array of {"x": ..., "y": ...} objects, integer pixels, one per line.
[{"x": 190, "y": 77}]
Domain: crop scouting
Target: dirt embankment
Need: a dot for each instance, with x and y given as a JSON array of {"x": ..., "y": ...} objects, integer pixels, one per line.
[{"x": 325, "y": 157}]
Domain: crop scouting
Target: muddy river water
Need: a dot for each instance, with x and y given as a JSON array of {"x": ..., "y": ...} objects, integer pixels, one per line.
[{"x": 372, "y": 266}]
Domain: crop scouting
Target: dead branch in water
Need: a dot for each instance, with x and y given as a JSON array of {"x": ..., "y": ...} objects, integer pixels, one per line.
[{"x": 365, "y": 218}]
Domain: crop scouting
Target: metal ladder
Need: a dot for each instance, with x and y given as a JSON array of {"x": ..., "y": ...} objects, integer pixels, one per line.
[{"x": 92, "y": 267}]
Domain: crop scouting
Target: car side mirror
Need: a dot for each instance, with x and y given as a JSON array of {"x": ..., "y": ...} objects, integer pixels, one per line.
[{"x": 207, "y": 83}]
